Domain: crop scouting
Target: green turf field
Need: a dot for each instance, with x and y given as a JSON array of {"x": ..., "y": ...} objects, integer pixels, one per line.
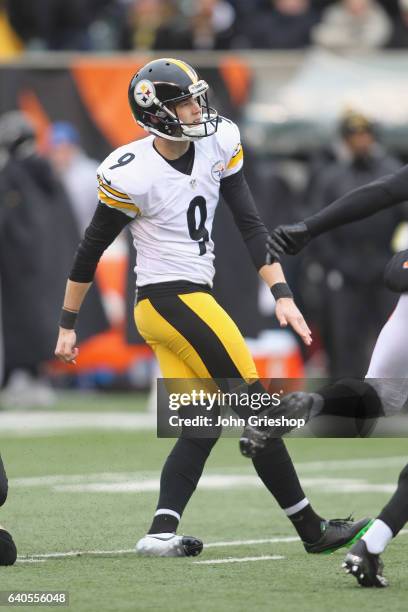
[{"x": 93, "y": 491}]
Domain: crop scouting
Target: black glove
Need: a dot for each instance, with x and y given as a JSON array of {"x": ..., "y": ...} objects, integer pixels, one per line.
[{"x": 289, "y": 239}]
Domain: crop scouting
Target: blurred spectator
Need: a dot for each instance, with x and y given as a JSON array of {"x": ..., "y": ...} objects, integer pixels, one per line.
[
  {"x": 353, "y": 24},
  {"x": 159, "y": 24},
  {"x": 38, "y": 238},
  {"x": 76, "y": 170},
  {"x": 284, "y": 24},
  {"x": 399, "y": 36},
  {"x": 144, "y": 18},
  {"x": 10, "y": 44},
  {"x": 54, "y": 24},
  {"x": 353, "y": 257},
  {"x": 77, "y": 173},
  {"x": 211, "y": 24}
]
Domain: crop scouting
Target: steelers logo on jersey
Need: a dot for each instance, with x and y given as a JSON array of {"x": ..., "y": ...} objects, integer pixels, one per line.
[
  {"x": 145, "y": 93},
  {"x": 217, "y": 169}
]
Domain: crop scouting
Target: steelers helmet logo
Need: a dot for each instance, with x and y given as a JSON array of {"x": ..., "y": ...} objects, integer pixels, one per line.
[{"x": 145, "y": 93}]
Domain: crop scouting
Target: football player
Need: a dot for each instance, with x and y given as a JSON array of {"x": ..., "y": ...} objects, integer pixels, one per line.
[
  {"x": 387, "y": 375},
  {"x": 386, "y": 382},
  {"x": 363, "y": 560},
  {"x": 385, "y": 388},
  {"x": 166, "y": 187},
  {"x": 8, "y": 551}
]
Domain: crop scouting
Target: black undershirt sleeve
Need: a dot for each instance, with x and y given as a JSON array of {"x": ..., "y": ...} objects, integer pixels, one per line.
[
  {"x": 235, "y": 191},
  {"x": 106, "y": 224},
  {"x": 362, "y": 202}
]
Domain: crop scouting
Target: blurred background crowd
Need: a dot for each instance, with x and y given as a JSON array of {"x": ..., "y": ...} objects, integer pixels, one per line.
[
  {"x": 56, "y": 126},
  {"x": 107, "y": 25}
]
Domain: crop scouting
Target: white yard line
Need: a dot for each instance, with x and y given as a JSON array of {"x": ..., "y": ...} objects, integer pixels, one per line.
[
  {"x": 66, "y": 479},
  {"x": 239, "y": 559},
  {"x": 228, "y": 481},
  {"x": 98, "y": 553},
  {"x": 150, "y": 477},
  {"x": 336, "y": 465},
  {"x": 282, "y": 540},
  {"x": 75, "y": 553},
  {"x": 27, "y": 423}
]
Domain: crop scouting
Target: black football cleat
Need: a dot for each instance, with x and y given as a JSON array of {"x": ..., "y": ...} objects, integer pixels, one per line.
[
  {"x": 295, "y": 405},
  {"x": 192, "y": 546},
  {"x": 337, "y": 533},
  {"x": 365, "y": 566},
  {"x": 8, "y": 550}
]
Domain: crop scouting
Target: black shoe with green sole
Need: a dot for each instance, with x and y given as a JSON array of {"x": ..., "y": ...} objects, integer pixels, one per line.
[{"x": 337, "y": 533}]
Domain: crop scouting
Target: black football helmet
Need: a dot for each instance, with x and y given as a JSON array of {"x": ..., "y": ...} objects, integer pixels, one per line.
[{"x": 158, "y": 87}]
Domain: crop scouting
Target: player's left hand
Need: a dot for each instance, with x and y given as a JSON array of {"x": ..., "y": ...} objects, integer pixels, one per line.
[{"x": 288, "y": 313}]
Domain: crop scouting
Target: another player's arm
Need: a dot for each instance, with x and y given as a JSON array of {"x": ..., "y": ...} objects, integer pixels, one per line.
[
  {"x": 236, "y": 192},
  {"x": 354, "y": 206},
  {"x": 107, "y": 223}
]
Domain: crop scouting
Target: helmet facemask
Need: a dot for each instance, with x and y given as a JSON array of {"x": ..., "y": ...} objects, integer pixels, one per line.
[{"x": 171, "y": 127}]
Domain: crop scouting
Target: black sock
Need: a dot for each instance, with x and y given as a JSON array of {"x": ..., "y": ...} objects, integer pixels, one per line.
[
  {"x": 164, "y": 523},
  {"x": 395, "y": 513},
  {"x": 276, "y": 470},
  {"x": 307, "y": 523},
  {"x": 8, "y": 551},
  {"x": 179, "y": 478}
]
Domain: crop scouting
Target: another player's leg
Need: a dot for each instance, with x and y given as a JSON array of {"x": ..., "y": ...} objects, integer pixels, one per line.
[
  {"x": 383, "y": 392},
  {"x": 388, "y": 369},
  {"x": 363, "y": 560},
  {"x": 354, "y": 400},
  {"x": 388, "y": 375},
  {"x": 8, "y": 551}
]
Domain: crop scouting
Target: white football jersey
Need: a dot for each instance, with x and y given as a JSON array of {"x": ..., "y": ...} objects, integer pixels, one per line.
[{"x": 172, "y": 213}]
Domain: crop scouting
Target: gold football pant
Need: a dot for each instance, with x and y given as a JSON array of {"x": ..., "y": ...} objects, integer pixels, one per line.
[{"x": 193, "y": 337}]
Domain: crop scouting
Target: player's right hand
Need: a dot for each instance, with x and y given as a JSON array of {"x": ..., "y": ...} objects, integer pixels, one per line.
[
  {"x": 66, "y": 350},
  {"x": 289, "y": 239}
]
